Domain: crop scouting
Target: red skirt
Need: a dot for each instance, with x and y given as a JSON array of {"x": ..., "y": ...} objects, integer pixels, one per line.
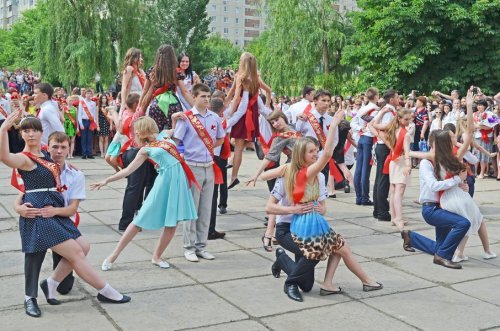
[{"x": 239, "y": 130}]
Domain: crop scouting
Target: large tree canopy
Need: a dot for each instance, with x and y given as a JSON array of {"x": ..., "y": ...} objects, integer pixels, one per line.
[
  {"x": 427, "y": 44},
  {"x": 303, "y": 45}
]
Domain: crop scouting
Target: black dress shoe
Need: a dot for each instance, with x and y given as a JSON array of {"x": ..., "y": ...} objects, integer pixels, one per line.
[
  {"x": 102, "y": 298},
  {"x": 292, "y": 291},
  {"x": 31, "y": 308},
  {"x": 216, "y": 235},
  {"x": 446, "y": 263},
  {"x": 233, "y": 184},
  {"x": 367, "y": 203},
  {"x": 45, "y": 289},
  {"x": 223, "y": 210},
  {"x": 90, "y": 157},
  {"x": 84, "y": 157},
  {"x": 383, "y": 219},
  {"x": 405, "y": 234}
]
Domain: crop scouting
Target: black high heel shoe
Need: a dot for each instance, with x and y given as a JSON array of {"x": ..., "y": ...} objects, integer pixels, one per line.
[{"x": 233, "y": 184}]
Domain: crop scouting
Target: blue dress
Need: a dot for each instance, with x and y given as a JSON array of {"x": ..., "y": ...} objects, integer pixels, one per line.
[
  {"x": 39, "y": 234},
  {"x": 312, "y": 233},
  {"x": 170, "y": 200}
]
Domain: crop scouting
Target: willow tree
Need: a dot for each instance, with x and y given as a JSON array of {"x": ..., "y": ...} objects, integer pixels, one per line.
[
  {"x": 82, "y": 37},
  {"x": 303, "y": 45}
]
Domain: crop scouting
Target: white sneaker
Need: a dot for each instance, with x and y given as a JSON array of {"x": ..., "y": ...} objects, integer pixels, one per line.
[
  {"x": 161, "y": 264},
  {"x": 488, "y": 256},
  {"x": 458, "y": 259},
  {"x": 106, "y": 265},
  {"x": 190, "y": 256},
  {"x": 205, "y": 255}
]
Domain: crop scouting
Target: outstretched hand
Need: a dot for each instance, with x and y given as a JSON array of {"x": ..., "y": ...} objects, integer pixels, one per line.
[
  {"x": 253, "y": 179},
  {"x": 97, "y": 186},
  {"x": 338, "y": 117},
  {"x": 11, "y": 119}
]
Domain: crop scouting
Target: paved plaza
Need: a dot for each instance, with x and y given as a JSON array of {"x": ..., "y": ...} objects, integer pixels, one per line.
[{"x": 236, "y": 291}]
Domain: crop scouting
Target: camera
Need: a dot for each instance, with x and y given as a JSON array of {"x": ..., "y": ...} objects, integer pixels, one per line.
[{"x": 474, "y": 89}]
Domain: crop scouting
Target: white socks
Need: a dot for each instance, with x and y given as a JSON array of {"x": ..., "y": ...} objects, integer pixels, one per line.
[
  {"x": 52, "y": 285},
  {"x": 111, "y": 293}
]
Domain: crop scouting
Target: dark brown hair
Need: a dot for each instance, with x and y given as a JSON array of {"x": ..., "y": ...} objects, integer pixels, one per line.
[
  {"x": 30, "y": 122},
  {"x": 200, "y": 88},
  {"x": 443, "y": 154},
  {"x": 58, "y": 136},
  {"x": 165, "y": 67},
  {"x": 132, "y": 98}
]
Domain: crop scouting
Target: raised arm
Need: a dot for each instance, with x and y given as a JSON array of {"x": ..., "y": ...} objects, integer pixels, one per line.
[
  {"x": 134, "y": 165},
  {"x": 126, "y": 80},
  {"x": 316, "y": 167},
  {"x": 19, "y": 161},
  {"x": 470, "y": 126}
]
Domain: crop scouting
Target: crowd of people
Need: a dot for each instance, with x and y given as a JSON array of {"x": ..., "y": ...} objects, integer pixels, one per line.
[
  {"x": 21, "y": 80},
  {"x": 187, "y": 130}
]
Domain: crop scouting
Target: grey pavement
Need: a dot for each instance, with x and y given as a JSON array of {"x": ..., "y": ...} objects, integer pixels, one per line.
[{"x": 236, "y": 291}]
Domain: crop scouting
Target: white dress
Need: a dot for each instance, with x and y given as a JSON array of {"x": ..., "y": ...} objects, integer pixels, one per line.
[{"x": 458, "y": 201}]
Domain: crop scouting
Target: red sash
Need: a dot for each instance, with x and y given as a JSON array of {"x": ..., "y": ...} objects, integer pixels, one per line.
[
  {"x": 105, "y": 116},
  {"x": 249, "y": 117},
  {"x": 226, "y": 146},
  {"x": 467, "y": 165},
  {"x": 300, "y": 185},
  {"x": 207, "y": 141},
  {"x": 139, "y": 75},
  {"x": 318, "y": 130},
  {"x": 347, "y": 146},
  {"x": 125, "y": 131},
  {"x": 484, "y": 135},
  {"x": 172, "y": 150},
  {"x": 93, "y": 125},
  {"x": 161, "y": 90},
  {"x": 18, "y": 183},
  {"x": 3, "y": 112},
  {"x": 398, "y": 150}
]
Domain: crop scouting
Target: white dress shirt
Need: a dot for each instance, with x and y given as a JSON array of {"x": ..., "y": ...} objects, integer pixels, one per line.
[
  {"x": 51, "y": 121},
  {"x": 307, "y": 130},
  {"x": 82, "y": 115},
  {"x": 389, "y": 116},
  {"x": 430, "y": 185},
  {"x": 295, "y": 109},
  {"x": 6, "y": 107},
  {"x": 358, "y": 124},
  {"x": 74, "y": 180}
]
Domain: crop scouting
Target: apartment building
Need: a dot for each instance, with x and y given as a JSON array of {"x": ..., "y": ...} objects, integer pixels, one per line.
[
  {"x": 239, "y": 21},
  {"x": 11, "y": 10}
]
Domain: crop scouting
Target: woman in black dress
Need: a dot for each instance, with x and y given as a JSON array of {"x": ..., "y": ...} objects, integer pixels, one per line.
[
  {"x": 105, "y": 125},
  {"x": 42, "y": 190}
]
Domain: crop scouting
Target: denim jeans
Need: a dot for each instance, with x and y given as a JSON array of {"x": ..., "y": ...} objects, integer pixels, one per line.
[
  {"x": 363, "y": 168},
  {"x": 450, "y": 230}
]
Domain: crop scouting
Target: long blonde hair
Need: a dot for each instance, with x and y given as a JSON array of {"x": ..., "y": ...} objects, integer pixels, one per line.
[
  {"x": 461, "y": 127},
  {"x": 248, "y": 70},
  {"x": 297, "y": 162},
  {"x": 131, "y": 57},
  {"x": 394, "y": 126}
]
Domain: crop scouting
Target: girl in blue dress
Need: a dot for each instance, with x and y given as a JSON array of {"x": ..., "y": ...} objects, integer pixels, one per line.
[
  {"x": 309, "y": 229},
  {"x": 42, "y": 188},
  {"x": 169, "y": 201}
]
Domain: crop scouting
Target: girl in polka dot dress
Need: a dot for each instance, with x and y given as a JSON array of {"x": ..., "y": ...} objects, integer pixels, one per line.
[{"x": 41, "y": 181}]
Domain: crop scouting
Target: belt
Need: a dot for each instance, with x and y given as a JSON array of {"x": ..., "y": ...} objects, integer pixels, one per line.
[
  {"x": 430, "y": 204},
  {"x": 51, "y": 189},
  {"x": 203, "y": 165}
]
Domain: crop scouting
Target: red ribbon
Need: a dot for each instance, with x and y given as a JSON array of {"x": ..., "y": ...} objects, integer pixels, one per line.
[
  {"x": 300, "y": 185},
  {"x": 250, "y": 126},
  {"x": 226, "y": 146},
  {"x": 396, "y": 153}
]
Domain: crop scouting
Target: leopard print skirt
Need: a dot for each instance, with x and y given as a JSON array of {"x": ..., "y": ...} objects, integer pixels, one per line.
[{"x": 314, "y": 236}]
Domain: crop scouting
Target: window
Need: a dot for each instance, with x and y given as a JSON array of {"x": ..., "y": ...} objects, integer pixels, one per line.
[
  {"x": 226, "y": 20},
  {"x": 214, "y": 7},
  {"x": 236, "y": 32},
  {"x": 213, "y": 18},
  {"x": 237, "y": 10},
  {"x": 236, "y": 20},
  {"x": 226, "y": 30},
  {"x": 213, "y": 28},
  {"x": 225, "y": 8}
]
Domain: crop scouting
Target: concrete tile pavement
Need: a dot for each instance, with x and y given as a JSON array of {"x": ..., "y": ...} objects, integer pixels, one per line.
[{"x": 237, "y": 292}]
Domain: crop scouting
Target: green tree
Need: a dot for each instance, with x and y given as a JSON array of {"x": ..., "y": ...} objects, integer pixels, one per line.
[
  {"x": 217, "y": 52},
  {"x": 303, "y": 45},
  {"x": 427, "y": 44},
  {"x": 180, "y": 23}
]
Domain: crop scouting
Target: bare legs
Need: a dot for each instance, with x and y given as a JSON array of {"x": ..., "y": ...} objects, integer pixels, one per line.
[
  {"x": 239, "y": 145},
  {"x": 351, "y": 263},
  {"x": 396, "y": 193},
  {"x": 103, "y": 144},
  {"x": 483, "y": 235},
  {"x": 71, "y": 147},
  {"x": 268, "y": 236},
  {"x": 113, "y": 162},
  {"x": 165, "y": 238}
]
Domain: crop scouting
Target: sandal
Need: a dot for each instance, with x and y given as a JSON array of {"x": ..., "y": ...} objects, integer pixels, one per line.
[{"x": 269, "y": 246}]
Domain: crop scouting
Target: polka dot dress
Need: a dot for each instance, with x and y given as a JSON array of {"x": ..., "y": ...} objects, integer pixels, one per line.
[{"x": 38, "y": 234}]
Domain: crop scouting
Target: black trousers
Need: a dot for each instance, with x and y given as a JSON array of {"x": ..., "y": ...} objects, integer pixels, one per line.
[
  {"x": 301, "y": 271},
  {"x": 32, "y": 267},
  {"x": 381, "y": 185},
  {"x": 139, "y": 183},
  {"x": 223, "y": 193}
]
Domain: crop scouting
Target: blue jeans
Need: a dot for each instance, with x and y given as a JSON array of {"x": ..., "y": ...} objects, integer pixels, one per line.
[
  {"x": 86, "y": 138},
  {"x": 363, "y": 168},
  {"x": 450, "y": 230}
]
